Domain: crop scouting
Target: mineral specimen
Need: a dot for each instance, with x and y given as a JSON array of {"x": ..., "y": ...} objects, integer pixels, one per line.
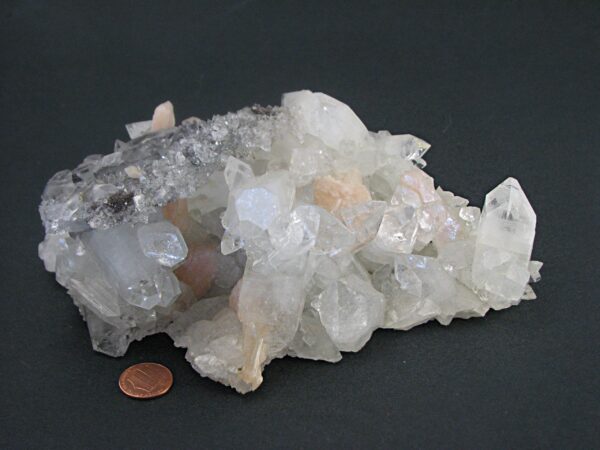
[{"x": 276, "y": 231}]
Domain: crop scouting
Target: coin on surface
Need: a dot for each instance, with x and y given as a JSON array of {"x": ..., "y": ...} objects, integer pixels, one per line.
[{"x": 146, "y": 380}]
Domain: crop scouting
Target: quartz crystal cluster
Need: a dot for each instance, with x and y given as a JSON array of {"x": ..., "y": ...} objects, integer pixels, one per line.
[{"x": 274, "y": 231}]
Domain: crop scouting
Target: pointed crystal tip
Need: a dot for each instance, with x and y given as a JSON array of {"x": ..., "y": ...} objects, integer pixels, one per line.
[{"x": 509, "y": 200}]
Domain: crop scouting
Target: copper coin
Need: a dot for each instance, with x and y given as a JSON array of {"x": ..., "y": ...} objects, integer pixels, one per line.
[{"x": 146, "y": 380}]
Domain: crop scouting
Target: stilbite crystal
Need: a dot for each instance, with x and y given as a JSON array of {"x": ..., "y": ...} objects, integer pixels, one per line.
[{"x": 275, "y": 231}]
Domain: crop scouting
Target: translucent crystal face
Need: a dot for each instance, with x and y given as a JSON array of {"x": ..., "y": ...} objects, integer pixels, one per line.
[
  {"x": 364, "y": 219},
  {"x": 504, "y": 244},
  {"x": 508, "y": 220},
  {"x": 140, "y": 279},
  {"x": 403, "y": 147},
  {"x": 163, "y": 242},
  {"x": 398, "y": 230},
  {"x": 324, "y": 117},
  {"x": 275, "y": 231},
  {"x": 424, "y": 278},
  {"x": 350, "y": 310}
]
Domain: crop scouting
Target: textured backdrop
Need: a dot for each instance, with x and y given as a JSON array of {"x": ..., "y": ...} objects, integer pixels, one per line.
[{"x": 498, "y": 88}]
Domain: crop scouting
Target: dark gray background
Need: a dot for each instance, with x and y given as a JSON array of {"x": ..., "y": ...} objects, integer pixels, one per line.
[{"x": 499, "y": 88}]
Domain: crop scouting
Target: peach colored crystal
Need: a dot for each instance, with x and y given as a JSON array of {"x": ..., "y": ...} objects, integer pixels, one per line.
[
  {"x": 340, "y": 191},
  {"x": 164, "y": 117},
  {"x": 199, "y": 268}
]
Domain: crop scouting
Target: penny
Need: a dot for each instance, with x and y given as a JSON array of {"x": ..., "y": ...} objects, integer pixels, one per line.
[{"x": 146, "y": 380}]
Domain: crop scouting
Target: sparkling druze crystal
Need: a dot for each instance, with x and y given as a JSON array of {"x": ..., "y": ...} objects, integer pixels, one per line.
[{"x": 276, "y": 231}]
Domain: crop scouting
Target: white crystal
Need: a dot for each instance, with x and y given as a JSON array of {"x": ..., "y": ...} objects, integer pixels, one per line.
[
  {"x": 210, "y": 197},
  {"x": 53, "y": 245},
  {"x": 350, "y": 310},
  {"x": 324, "y": 117},
  {"x": 312, "y": 341},
  {"x": 163, "y": 242},
  {"x": 418, "y": 290},
  {"x": 504, "y": 244},
  {"x": 333, "y": 238},
  {"x": 140, "y": 280},
  {"x": 213, "y": 340},
  {"x": 296, "y": 236},
  {"x": 364, "y": 219},
  {"x": 529, "y": 294},
  {"x": 259, "y": 206},
  {"x": 398, "y": 230},
  {"x": 534, "y": 270},
  {"x": 274, "y": 300},
  {"x": 404, "y": 146},
  {"x": 260, "y": 201},
  {"x": 237, "y": 173},
  {"x": 308, "y": 160},
  {"x": 137, "y": 129}
]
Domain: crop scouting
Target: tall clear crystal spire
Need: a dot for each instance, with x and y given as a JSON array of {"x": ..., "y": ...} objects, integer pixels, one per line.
[{"x": 504, "y": 244}]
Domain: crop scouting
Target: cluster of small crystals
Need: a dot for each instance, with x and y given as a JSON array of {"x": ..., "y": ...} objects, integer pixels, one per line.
[
  {"x": 151, "y": 170},
  {"x": 295, "y": 231}
]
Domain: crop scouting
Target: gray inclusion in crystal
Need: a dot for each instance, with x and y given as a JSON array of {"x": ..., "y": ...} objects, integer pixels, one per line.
[{"x": 152, "y": 170}]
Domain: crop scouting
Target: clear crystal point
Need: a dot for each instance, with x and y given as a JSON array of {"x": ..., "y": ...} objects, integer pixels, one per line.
[{"x": 504, "y": 244}]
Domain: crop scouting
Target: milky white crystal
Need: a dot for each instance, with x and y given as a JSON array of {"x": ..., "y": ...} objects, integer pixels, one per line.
[{"x": 276, "y": 231}]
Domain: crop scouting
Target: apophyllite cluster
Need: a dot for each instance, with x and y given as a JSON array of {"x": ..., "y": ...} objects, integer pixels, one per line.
[{"x": 274, "y": 231}]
